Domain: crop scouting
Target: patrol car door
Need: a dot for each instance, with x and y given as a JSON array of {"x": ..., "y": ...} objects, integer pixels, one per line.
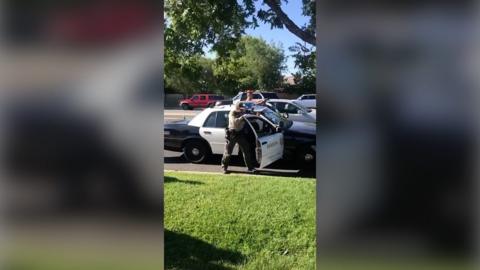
[
  {"x": 269, "y": 142},
  {"x": 213, "y": 130}
]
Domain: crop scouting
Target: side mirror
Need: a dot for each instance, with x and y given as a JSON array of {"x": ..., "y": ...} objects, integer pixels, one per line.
[{"x": 281, "y": 124}]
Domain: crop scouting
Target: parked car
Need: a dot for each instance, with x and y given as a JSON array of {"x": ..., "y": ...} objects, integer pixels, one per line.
[
  {"x": 276, "y": 136},
  {"x": 241, "y": 96},
  {"x": 293, "y": 110},
  {"x": 200, "y": 101},
  {"x": 308, "y": 100}
]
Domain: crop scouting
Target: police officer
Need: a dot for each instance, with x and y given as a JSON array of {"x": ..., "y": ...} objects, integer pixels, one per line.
[{"x": 236, "y": 133}]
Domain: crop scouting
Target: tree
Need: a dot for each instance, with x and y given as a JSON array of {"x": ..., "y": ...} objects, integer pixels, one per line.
[
  {"x": 253, "y": 63},
  {"x": 194, "y": 24},
  {"x": 305, "y": 77},
  {"x": 278, "y": 18},
  {"x": 190, "y": 75}
]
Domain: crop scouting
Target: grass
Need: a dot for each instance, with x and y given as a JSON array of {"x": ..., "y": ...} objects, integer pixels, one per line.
[
  {"x": 239, "y": 222},
  {"x": 223, "y": 222}
]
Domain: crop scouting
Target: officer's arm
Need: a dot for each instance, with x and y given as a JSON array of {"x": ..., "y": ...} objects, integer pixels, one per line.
[{"x": 238, "y": 119}]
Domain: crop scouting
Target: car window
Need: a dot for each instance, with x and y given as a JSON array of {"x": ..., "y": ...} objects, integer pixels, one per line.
[
  {"x": 243, "y": 96},
  {"x": 300, "y": 106},
  {"x": 203, "y": 97},
  {"x": 280, "y": 106},
  {"x": 291, "y": 108},
  {"x": 311, "y": 97},
  {"x": 304, "y": 97},
  {"x": 261, "y": 127},
  {"x": 222, "y": 119},
  {"x": 211, "y": 119},
  {"x": 257, "y": 96},
  {"x": 195, "y": 97}
]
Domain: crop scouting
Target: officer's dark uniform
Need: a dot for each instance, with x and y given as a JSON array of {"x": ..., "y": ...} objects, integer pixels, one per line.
[{"x": 236, "y": 133}]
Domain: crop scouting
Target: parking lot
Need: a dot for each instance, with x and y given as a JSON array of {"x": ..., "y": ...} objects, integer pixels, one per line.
[{"x": 176, "y": 162}]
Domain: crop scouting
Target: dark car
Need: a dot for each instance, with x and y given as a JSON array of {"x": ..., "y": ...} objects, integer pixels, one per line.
[{"x": 204, "y": 135}]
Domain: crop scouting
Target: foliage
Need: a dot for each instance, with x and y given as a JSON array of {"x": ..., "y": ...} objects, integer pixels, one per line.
[
  {"x": 252, "y": 64},
  {"x": 305, "y": 77},
  {"x": 190, "y": 75},
  {"x": 193, "y": 27},
  {"x": 214, "y": 221}
]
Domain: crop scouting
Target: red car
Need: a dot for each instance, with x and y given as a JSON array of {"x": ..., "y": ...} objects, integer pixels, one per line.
[{"x": 200, "y": 101}]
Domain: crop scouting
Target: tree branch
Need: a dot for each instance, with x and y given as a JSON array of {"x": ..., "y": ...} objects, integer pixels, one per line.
[{"x": 289, "y": 24}]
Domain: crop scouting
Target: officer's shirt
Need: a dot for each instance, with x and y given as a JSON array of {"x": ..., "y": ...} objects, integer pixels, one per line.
[{"x": 236, "y": 123}]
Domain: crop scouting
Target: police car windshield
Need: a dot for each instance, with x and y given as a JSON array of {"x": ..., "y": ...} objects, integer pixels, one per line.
[{"x": 276, "y": 118}]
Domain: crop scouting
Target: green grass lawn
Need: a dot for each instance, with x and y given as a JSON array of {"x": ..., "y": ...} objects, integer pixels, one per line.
[{"x": 216, "y": 221}]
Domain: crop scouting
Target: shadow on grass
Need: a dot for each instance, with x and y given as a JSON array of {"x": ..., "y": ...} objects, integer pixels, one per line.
[
  {"x": 185, "y": 252},
  {"x": 169, "y": 179}
]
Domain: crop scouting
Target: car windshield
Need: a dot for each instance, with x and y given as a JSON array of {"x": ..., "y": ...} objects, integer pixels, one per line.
[
  {"x": 238, "y": 96},
  {"x": 276, "y": 118}
]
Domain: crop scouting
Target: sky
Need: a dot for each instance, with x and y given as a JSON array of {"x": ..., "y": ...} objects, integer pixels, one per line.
[{"x": 282, "y": 36}]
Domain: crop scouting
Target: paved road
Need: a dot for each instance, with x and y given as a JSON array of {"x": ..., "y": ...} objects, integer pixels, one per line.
[{"x": 176, "y": 162}]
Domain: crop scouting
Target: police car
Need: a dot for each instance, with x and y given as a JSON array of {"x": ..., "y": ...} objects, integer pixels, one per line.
[{"x": 273, "y": 137}]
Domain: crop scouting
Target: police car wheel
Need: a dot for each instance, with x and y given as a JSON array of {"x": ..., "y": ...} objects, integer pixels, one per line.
[
  {"x": 306, "y": 157},
  {"x": 185, "y": 106},
  {"x": 195, "y": 151}
]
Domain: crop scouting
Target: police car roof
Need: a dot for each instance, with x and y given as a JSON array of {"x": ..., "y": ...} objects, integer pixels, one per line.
[{"x": 256, "y": 108}]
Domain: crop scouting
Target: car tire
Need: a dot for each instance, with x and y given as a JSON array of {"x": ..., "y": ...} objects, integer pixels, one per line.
[
  {"x": 306, "y": 157},
  {"x": 185, "y": 106},
  {"x": 195, "y": 151}
]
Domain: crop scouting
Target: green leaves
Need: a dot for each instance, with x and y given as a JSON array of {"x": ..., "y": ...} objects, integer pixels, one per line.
[
  {"x": 194, "y": 24},
  {"x": 195, "y": 27},
  {"x": 252, "y": 64}
]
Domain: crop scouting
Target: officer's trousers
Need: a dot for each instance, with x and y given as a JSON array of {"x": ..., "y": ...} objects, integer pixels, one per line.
[{"x": 234, "y": 137}]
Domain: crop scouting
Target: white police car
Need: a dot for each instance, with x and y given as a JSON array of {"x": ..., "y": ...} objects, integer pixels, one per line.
[{"x": 271, "y": 135}]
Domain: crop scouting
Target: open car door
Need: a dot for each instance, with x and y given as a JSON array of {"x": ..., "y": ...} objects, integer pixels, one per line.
[{"x": 269, "y": 142}]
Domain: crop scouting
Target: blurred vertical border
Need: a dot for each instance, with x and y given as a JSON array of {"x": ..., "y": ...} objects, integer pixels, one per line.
[
  {"x": 81, "y": 109},
  {"x": 396, "y": 156}
]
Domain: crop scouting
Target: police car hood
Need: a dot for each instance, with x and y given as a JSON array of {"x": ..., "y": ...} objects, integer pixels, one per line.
[
  {"x": 176, "y": 123},
  {"x": 303, "y": 128}
]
